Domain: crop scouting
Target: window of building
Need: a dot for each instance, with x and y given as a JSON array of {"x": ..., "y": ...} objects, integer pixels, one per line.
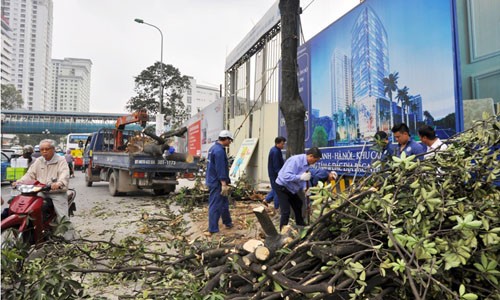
[{"x": 189, "y": 99}]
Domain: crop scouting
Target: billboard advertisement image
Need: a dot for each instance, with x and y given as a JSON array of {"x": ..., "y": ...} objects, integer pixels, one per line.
[{"x": 385, "y": 62}]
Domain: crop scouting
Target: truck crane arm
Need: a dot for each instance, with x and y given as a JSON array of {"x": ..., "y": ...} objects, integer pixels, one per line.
[{"x": 140, "y": 116}]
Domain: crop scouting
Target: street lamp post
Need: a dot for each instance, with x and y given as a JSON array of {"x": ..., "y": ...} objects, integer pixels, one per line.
[{"x": 159, "y": 117}]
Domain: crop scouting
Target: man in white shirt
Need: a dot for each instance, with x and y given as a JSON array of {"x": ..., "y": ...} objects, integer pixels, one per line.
[{"x": 429, "y": 138}]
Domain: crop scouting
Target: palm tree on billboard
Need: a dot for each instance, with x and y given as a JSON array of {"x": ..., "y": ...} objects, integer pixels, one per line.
[
  {"x": 391, "y": 85},
  {"x": 413, "y": 108},
  {"x": 403, "y": 97}
]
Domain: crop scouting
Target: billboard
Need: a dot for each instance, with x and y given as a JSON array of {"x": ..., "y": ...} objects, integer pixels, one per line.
[
  {"x": 194, "y": 139},
  {"x": 385, "y": 62},
  {"x": 204, "y": 128},
  {"x": 242, "y": 159}
]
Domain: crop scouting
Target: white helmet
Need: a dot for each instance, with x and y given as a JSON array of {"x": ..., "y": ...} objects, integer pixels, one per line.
[{"x": 226, "y": 134}]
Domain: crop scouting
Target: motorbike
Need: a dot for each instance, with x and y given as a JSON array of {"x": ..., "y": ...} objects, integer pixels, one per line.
[{"x": 30, "y": 217}]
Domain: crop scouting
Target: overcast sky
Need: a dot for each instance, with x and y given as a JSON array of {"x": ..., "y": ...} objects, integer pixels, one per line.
[{"x": 198, "y": 35}]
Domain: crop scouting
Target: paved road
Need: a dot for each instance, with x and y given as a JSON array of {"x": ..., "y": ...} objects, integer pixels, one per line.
[{"x": 99, "y": 215}]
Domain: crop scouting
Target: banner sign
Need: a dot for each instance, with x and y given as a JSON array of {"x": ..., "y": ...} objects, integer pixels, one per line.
[
  {"x": 194, "y": 139},
  {"x": 242, "y": 158},
  {"x": 369, "y": 71}
]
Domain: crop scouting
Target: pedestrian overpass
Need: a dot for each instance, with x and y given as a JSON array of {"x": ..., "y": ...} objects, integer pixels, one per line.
[{"x": 37, "y": 122}]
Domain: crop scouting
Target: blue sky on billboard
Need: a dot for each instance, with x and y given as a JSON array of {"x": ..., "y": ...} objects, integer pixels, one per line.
[{"x": 419, "y": 34}]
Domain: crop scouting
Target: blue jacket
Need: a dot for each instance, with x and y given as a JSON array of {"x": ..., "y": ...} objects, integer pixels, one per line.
[
  {"x": 411, "y": 148},
  {"x": 274, "y": 163},
  {"x": 386, "y": 152},
  {"x": 318, "y": 175},
  {"x": 217, "y": 167},
  {"x": 289, "y": 175}
]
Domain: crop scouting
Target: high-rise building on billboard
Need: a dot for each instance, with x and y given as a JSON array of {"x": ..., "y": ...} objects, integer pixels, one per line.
[
  {"x": 370, "y": 55},
  {"x": 370, "y": 64}
]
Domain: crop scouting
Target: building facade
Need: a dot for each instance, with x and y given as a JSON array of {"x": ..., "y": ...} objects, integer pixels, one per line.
[
  {"x": 199, "y": 96},
  {"x": 370, "y": 64},
  {"x": 70, "y": 89},
  {"x": 6, "y": 54},
  {"x": 31, "y": 24}
]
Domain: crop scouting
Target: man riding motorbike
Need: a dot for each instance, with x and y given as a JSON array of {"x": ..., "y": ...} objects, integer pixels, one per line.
[
  {"x": 52, "y": 169},
  {"x": 27, "y": 153}
]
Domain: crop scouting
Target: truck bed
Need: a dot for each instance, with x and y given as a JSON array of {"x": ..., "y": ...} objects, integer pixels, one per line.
[{"x": 141, "y": 162}]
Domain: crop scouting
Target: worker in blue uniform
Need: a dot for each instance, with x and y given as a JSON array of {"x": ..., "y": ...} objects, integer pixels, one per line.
[
  {"x": 405, "y": 143},
  {"x": 291, "y": 181},
  {"x": 275, "y": 162},
  {"x": 217, "y": 180}
]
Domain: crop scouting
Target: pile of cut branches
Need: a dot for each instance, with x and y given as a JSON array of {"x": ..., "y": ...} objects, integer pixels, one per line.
[{"x": 414, "y": 230}]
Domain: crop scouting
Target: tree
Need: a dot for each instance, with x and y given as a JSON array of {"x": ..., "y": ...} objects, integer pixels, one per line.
[
  {"x": 148, "y": 89},
  {"x": 391, "y": 85},
  {"x": 403, "y": 97},
  {"x": 319, "y": 137},
  {"x": 291, "y": 104},
  {"x": 413, "y": 108},
  {"x": 428, "y": 118},
  {"x": 11, "y": 98}
]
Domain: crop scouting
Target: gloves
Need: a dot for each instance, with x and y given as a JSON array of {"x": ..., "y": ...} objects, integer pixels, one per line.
[
  {"x": 225, "y": 190},
  {"x": 305, "y": 176},
  {"x": 333, "y": 175}
]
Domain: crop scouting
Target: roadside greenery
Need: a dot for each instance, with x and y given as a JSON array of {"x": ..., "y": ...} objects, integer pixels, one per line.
[
  {"x": 413, "y": 230},
  {"x": 158, "y": 79},
  {"x": 11, "y": 98}
]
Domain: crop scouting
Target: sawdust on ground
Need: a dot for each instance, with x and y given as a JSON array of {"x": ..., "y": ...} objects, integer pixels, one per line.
[{"x": 245, "y": 223}]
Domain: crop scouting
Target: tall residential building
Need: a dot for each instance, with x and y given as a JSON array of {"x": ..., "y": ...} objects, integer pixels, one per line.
[
  {"x": 341, "y": 81},
  {"x": 6, "y": 55},
  {"x": 31, "y": 24},
  {"x": 370, "y": 64},
  {"x": 416, "y": 107},
  {"x": 198, "y": 96},
  {"x": 70, "y": 84},
  {"x": 370, "y": 55}
]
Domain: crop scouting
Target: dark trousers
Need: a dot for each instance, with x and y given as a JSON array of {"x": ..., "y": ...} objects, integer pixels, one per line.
[
  {"x": 288, "y": 199},
  {"x": 218, "y": 207},
  {"x": 272, "y": 196}
]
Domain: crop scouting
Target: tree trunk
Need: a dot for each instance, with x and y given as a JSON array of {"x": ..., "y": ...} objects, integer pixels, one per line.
[{"x": 291, "y": 104}]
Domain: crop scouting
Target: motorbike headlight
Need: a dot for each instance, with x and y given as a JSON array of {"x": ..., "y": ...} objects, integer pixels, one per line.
[{"x": 26, "y": 188}]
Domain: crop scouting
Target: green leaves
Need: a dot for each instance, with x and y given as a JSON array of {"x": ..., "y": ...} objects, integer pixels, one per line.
[
  {"x": 489, "y": 268},
  {"x": 467, "y": 223},
  {"x": 151, "y": 83},
  {"x": 466, "y": 296}
]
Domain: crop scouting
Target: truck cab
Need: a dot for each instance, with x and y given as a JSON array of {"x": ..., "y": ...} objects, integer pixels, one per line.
[{"x": 127, "y": 168}]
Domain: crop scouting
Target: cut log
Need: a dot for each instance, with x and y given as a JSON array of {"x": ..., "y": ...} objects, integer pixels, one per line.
[
  {"x": 262, "y": 253},
  {"x": 265, "y": 222},
  {"x": 163, "y": 138},
  {"x": 251, "y": 245},
  {"x": 177, "y": 156},
  {"x": 155, "y": 150},
  {"x": 249, "y": 259}
]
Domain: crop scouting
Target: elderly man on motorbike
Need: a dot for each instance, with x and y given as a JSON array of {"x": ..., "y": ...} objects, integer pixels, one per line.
[{"x": 51, "y": 169}]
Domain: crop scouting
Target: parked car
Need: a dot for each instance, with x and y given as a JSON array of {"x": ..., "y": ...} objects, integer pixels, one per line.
[
  {"x": 8, "y": 152},
  {"x": 5, "y": 165}
]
